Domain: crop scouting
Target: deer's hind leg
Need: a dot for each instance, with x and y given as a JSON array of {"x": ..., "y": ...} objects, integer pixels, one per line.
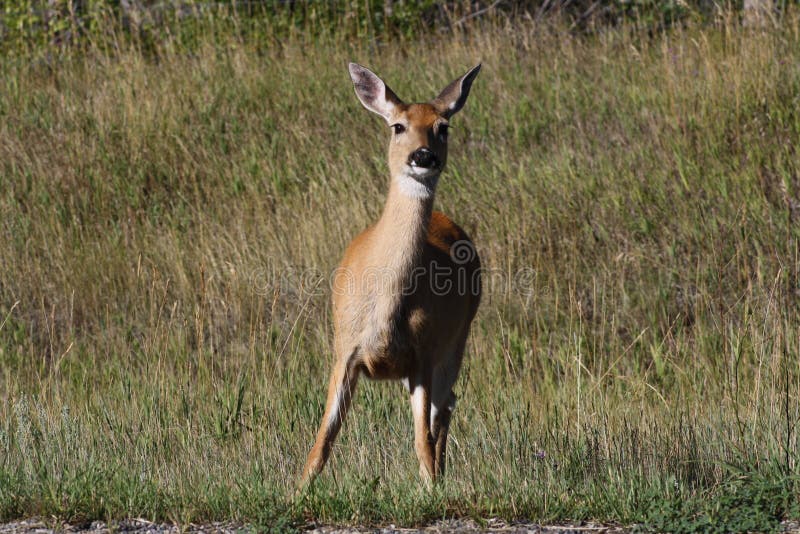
[{"x": 444, "y": 402}]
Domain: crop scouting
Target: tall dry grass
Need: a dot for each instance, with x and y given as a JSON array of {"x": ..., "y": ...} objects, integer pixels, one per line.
[{"x": 168, "y": 225}]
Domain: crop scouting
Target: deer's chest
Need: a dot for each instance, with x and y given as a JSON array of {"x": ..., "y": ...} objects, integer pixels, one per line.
[{"x": 386, "y": 334}]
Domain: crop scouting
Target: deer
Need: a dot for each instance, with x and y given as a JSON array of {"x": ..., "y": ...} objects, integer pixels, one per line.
[{"x": 408, "y": 287}]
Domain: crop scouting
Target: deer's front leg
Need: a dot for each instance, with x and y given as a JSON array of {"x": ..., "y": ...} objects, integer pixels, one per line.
[
  {"x": 423, "y": 440},
  {"x": 340, "y": 392}
]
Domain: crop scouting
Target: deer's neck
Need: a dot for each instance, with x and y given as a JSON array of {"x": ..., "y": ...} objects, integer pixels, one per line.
[
  {"x": 400, "y": 235},
  {"x": 397, "y": 243}
]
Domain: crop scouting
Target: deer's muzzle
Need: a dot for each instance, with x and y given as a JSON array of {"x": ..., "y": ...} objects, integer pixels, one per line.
[{"x": 422, "y": 157}]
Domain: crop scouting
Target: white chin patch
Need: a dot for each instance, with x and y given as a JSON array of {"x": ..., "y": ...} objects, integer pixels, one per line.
[{"x": 416, "y": 182}]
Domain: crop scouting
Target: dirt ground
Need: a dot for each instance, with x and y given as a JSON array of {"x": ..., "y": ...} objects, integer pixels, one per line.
[
  {"x": 140, "y": 526},
  {"x": 460, "y": 526}
]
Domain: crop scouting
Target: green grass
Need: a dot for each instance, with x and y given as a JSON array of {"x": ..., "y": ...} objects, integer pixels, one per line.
[{"x": 166, "y": 217}]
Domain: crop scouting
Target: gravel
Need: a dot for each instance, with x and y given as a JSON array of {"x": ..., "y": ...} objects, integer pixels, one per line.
[{"x": 460, "y": 526}]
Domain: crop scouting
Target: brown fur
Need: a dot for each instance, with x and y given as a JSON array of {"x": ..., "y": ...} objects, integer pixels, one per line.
[
  {"x": 423, "y": 123},
  {"x": 403, "y": 298}
]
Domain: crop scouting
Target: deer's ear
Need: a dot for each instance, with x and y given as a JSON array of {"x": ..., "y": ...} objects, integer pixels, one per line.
[
  {"x": 454, "y": 96},
  {"x": 373, "y": 93}
]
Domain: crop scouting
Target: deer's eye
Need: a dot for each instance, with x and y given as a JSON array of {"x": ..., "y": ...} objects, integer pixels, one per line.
[
  {"x": 398, "y": 128},
  {"x": 443, "y": 130}
]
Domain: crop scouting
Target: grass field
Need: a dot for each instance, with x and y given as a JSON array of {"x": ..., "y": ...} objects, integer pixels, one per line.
[{"x": 168, "y": 220}]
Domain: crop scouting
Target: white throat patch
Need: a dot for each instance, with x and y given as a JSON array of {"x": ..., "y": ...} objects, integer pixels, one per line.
[{"x": 416, "y": 184}]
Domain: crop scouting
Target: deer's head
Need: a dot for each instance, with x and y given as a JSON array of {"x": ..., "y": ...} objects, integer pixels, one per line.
[{"x": 418, "y": 148}]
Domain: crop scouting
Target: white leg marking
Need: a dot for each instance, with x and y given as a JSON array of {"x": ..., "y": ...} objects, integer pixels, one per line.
[
  {"x": 333, "y": 417},
  {"x": 418, "y": 400},
  {"x": 434, "y": 412}
]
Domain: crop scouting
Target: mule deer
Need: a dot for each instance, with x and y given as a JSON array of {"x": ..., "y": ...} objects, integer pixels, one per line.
[{"x": 408, "y": 286}]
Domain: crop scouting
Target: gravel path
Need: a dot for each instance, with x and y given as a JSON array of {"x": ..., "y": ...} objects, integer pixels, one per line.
[
  {"x": 468, "y": 526},
  {"x": 460, "y": 526},
  {"x": 140, "y": 526}
]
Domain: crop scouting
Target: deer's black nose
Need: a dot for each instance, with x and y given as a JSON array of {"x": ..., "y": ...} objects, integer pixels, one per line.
[{"x": 422, "y": 157}]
